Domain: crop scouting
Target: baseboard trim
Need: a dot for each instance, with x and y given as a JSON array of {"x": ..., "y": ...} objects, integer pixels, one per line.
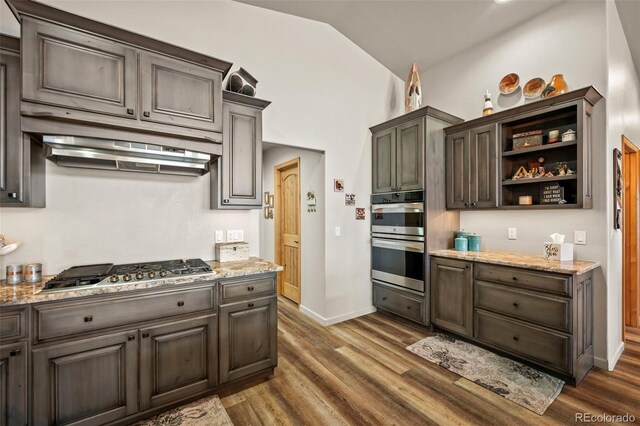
[
  {"x": 338, "y": 318},
  {"x": 609, "y": 364}
]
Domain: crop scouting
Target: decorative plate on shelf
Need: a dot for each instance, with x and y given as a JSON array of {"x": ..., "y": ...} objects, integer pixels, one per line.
[
  {"x": 509, "y": 83},
  {"x": 534, "y": 88}
]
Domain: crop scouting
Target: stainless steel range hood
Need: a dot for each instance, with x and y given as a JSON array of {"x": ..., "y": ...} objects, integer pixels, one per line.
[{"x": 104, "y": 154}]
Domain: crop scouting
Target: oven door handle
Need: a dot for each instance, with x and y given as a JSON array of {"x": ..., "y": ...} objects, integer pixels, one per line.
[
  {"x": 398, "y": 208},
  {"x": 401, "y": 246}
]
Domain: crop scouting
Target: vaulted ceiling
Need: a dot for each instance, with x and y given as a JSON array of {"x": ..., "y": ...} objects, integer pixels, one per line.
[{"x": 629, "y": 11}]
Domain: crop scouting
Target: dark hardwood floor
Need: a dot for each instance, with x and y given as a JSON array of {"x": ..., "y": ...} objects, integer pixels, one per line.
[{"x": 358, "y": 372}]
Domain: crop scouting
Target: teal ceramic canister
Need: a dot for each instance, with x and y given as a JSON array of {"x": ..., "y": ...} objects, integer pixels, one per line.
[
  {"x": 463, "y": 234},
  {"x": 461, "y": 244},
  {"x": 474, "y": 242}
]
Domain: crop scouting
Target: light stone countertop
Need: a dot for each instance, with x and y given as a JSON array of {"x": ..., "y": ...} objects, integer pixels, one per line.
[
  {"x": 520, "y": 260},
  {"x": 27, "y": 293}
]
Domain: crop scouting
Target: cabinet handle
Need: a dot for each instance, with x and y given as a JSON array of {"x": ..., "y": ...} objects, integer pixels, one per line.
[
  {"x": 515, "y": 278},
  {"x": 15, "y": 352},
  {"x": 12, "y": 195},
  {"x": 146, "y": 113},
  {"x": 250, "y": 288},
  {"x": 250, "y": 305},
  {"x": 145, "y": 335},
  {"x": 130, "y": 338},
  {"x": 466, "y": 204},
  {"x": 516, "y": 338},
  {"x": 88, "y": 318},
  {"x": 225, "y": 201},
  {"x": 384, "y": 298},
  {"x": 180, "y": 303},
  {"x": 515, "y": 304},
  {"x": 473, "y": 204},
  {"x": 130, "y": 111},
  {"x": 408, "y": 307}
]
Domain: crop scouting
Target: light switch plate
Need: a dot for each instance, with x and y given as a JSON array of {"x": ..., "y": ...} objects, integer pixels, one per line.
[
  {"x": 580, "y": 237},
  {"x": 512, "y": 233},
  {"x": 219, "y": 236}
]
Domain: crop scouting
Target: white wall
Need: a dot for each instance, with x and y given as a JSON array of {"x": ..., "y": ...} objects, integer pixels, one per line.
[
  {"x": 326, "y": 93},
  {"x": 623, "y": 117},
  {"x": 312, "y": 224},
  {"x": 570, "y": 39}
]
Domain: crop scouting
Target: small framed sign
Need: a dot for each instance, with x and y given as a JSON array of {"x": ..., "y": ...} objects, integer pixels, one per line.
[{"x": 552, "y": 193}]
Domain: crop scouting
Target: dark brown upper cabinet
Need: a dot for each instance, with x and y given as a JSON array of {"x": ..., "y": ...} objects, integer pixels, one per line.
[
  {"x": 471, "y": 164},
  {"x": 22, "y": 168},
  {"x": 84, "y": 78},
  {"x": 236, "y": 177},
  {"x": 398, "y": 149},
  {"x": 179, "y": 93},
  {"x": 481, "y": 158}
]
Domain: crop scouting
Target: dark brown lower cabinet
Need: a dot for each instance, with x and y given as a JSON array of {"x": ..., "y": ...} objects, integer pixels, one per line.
[
  {"x": 86, "y": 382},
  {"x": 452, "y": 295},
  {"x": 178, "y": 360},
  {"x": 13, "y": 384},
  {"x": 248, "y": 337}
]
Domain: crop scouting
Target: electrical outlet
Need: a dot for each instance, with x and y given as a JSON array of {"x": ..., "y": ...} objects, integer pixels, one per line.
[
  {"x": 235, "y": 235},
  {"x": 240, "y": 235},
  {"x": 512, "y": 233},
  {"x": 580, "y": 237},
  {"x": 337, "y": 231},
  {"x": 219, "y": 236}
]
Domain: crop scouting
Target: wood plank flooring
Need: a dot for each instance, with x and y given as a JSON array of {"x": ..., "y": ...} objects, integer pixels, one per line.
[{"x": 358, "y": 372}]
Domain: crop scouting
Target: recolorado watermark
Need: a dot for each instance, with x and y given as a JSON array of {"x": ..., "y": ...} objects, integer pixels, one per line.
[{"x": 604, "y": 418}]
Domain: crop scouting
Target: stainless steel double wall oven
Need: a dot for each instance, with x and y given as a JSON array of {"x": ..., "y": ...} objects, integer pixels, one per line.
[{"x": 397, "y": 239}]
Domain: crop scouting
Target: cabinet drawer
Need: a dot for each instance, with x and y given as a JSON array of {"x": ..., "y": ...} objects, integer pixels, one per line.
[
  {"x": 13, "y": 324},
  {"x": 542, "y": 309},
  {"x": 398, "y": 302},
  {"x": 524, "y": 278},
  {"x": 55, "y": 321},
  {"x": 234, "y": 290},
  {"x": 549, "y": 349}
]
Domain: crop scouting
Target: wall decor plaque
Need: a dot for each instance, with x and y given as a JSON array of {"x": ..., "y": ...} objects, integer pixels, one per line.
[
  {"x": 349, "y": 199},
  {"x": 552, "y": 193},
  {"x": 360, "y": 213}
]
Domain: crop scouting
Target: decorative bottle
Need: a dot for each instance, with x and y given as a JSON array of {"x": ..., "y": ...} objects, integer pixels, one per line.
[{"x": 488, "y": 106}]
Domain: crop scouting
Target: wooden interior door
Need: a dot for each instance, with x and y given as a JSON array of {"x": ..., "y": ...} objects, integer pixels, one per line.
[
  {"x": 288, "y": 228},
  {"x": 631, "y": 233}
]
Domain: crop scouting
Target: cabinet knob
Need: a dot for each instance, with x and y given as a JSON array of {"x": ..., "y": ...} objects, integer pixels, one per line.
[
  {"x": 250, "y": 288},
  {"x": 225, "y": 201},
  {"x": 13, "y": 195},
  {"x": 384, "y": 298},
  {"x": 515, "y": 278},
  {"x": 15, "y": 352},
  {"x": 515, "y": 304},
  {"x": 250, "y": 305},
  {"x": 466, "y": 204},
  {"x": 180, "y": 303},
  {"x": 408, "y": 307},
  {"x": 146, "y": 113},
  {"x": 130, "y": 111},
  {"x": 474, "y": 204},
  {"x": 130, "y": 338},
  {"x": 88, "y": 318},
  {"x": 145, "y": 335},
  {"x": 516, "y": 338}
]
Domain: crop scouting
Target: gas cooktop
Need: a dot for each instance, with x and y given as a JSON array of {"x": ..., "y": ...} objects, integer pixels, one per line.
[{"x": 109, "y": 274}]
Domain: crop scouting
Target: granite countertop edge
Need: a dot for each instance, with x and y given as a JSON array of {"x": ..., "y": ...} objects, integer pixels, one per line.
[
  {"x": 28, "y": 293},
  {"x": 520, "y": 260}
]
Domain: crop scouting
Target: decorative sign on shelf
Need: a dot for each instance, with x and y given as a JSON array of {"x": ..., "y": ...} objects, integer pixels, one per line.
[{"x": 552, "y": 193}]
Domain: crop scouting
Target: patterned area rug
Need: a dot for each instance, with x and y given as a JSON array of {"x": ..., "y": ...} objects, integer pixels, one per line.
[
  {"x": 207, "y": 411},
  {"x": 510, "y": 379}
]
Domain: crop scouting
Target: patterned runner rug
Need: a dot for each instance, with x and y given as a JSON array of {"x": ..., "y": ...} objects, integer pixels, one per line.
[
  {"x": 510, "y": 379},
  {"x": 207, "y": 411}
]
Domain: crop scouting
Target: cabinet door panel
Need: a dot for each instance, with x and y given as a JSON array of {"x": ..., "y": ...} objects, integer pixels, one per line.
[
  {"x": 178, "y": 360},
  {"x": 13, "y": 384},
  {"x": 457, "y": 170},
  {"x": 76, "y": 70},
  {"x": 91, "y": 381},
  {"x": 410, "y": 155},
  {"x": 242, "y": 156},
  {"x": 179, "y": 93},
  {"x": 248, "y": 337},
  {"x": 452, "y": 295},
  {"x": 484, "y": 163},
  {"x": 384, "y": 161}
]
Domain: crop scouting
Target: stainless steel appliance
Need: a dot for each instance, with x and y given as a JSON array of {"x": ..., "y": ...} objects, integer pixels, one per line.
[
  {"x": 86, "y": 276},
  {"x": 397, "y": 239}
]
